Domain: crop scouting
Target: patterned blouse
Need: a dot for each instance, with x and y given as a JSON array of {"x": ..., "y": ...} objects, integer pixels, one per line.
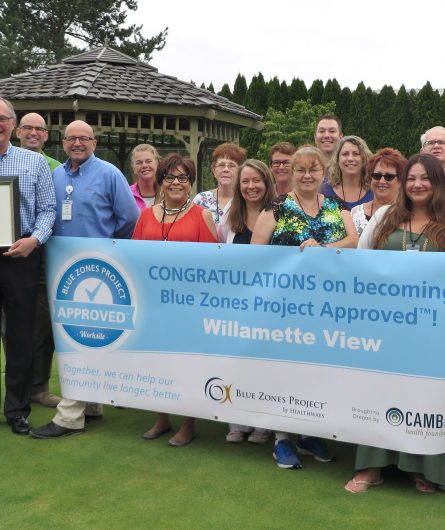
[
  {"x": 294, "y": 226},
  {"x": 208, "y": 199}
]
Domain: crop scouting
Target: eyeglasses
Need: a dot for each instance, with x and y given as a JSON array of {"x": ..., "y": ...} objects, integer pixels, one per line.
[
  {"x": 301, "y": 172},
  {"x": 30, "y": 128},
  {"x": 5, "y": 119},
  {"x": 82, "y": 139},
  {"x": 431, "y": 143},
  {"x": 278, "y": 163},
  {"x": 182, "y": 178},
  {"x": 228, "y": 165},
  {"x": 387, "y": 176}
]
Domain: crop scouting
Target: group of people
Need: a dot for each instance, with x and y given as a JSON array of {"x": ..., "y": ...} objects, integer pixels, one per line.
[{"x": 335, "y": 193}]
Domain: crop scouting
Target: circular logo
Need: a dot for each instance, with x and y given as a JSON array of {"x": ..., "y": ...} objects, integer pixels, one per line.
[
  {"x": 216, "y": 389},
  {"x": 394, "y": 416},
  {"x": 93, "y": 303}
]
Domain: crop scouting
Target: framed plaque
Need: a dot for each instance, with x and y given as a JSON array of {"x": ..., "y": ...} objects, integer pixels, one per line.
[{"x": 9, "y": 211}]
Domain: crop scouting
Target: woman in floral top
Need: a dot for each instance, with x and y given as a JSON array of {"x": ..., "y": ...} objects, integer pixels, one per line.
[{"x": 304, "y": 217}]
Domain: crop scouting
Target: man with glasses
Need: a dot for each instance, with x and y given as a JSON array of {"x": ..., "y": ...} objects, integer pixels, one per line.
[
  {"x": 93, "y": 200},
  {"x": 20, "y": 266},
  {"x": 280, "y": 162},
  {"x": 33, "y": 134},
  {"x": 433, "y": 143}
]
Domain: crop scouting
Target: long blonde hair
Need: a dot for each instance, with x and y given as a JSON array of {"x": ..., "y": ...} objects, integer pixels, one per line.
[{"x": 336, "y": 177}]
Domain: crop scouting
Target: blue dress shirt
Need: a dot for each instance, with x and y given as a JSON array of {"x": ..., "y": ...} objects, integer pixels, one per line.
[
  {"x": 102, "y": 203},
  {"x": 37, "y": 200}
]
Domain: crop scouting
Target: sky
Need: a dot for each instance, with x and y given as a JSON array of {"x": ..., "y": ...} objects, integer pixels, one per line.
[{"x": 376, "y": 41}]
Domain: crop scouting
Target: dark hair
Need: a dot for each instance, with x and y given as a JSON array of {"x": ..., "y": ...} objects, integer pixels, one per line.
[
  {"x": 329, "y": 117},
  {"x": 389, "y": 157},
  {"x": 231, "y": 151},
  {"x": 238, "y": 211},
  {"x": 400, "y": 212},
  {"x": 282, "y": 147},
  {"x": 173, "y": 161}
]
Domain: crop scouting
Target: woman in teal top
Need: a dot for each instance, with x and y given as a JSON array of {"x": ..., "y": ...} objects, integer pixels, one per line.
[{"x": 416, "y": 223}]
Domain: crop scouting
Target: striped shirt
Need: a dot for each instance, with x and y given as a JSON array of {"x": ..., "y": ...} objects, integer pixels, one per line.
[{"x": 37, "y": 197}]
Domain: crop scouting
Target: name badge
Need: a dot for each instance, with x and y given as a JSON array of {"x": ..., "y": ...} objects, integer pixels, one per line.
[
  {"x": 67, "y": 210},
  {"x": 413, "y": 247}
]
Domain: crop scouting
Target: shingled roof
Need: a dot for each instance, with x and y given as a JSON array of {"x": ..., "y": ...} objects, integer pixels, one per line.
[{"x": 104, "y": 74}]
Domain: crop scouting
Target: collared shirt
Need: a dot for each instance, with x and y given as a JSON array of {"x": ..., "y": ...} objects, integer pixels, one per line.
[
  {"x": 52, "y": 162},
  {"x": 37, "y": 200},
  {"x": 102, "y": 203}
]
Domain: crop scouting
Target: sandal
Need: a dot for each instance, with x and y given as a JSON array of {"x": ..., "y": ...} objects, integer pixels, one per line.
[
  {"x": 361, "y": 486},
  {"x": 423, "y": 485}
]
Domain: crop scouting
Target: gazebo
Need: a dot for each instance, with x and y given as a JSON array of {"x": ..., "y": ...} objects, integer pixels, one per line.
[{"x": 128, "y": 102}]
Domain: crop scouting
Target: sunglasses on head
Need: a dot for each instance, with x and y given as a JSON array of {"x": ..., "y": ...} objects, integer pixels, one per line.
[{"x": 387, "y": 176}]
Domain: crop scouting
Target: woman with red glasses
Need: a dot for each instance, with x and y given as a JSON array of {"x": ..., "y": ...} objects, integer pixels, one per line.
[{"x": 385, "y": 169}]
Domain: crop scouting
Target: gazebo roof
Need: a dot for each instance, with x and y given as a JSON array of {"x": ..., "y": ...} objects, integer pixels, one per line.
[{"x": 104, "y": 74}]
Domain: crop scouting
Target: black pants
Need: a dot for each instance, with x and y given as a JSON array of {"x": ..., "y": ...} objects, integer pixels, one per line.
[
  {"x": 19, "y": 284},
  {"x": 44, "y": 342}
]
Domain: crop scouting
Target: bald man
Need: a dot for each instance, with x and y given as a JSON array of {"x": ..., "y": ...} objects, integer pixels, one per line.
[
  {"x": 97, "y": 202},
  {"x": 33, "y": 133},
  {"x": 433, "y": 143}
]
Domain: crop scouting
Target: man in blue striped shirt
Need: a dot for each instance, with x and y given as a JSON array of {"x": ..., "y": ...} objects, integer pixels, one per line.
[{"x": 20, "y": 266}]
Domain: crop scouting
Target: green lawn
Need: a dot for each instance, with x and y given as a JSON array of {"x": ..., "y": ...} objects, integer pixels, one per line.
[{"x": 110, "y": 478}]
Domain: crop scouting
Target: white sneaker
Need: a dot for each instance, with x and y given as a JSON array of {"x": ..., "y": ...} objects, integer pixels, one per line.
[
  {"x": 259, "y": 436},
  {"x": 235, "y": 437}
]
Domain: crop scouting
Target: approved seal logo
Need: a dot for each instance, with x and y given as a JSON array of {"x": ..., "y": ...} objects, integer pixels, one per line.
[{"x": 93, "y": 303}]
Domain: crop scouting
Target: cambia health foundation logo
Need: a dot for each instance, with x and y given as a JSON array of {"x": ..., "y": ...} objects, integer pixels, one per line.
[
  {"x": 94, "y": 302},
  {"x": 394, "y": 416}
]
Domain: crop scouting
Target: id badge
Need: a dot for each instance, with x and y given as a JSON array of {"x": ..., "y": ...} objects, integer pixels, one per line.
[
  {"x": 67, "y": 210},
  {"x": 413, "y": 247}
]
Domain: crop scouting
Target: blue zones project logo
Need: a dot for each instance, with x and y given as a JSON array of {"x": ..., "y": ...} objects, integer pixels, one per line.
[
  {"x": 216, "y": 389},
  {"x": 93, "y": 303}
]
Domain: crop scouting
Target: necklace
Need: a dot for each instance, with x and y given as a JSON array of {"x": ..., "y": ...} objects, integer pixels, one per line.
[
  {"x": 145, "y": 196},
  {"x": 311, "y": 228},
  {"x": 414, "y": 245},
  {"x": 171, "y": 211},
  {"x": 343, "y": 191}
]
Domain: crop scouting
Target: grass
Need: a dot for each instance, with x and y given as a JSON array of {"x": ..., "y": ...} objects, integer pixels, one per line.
[{"x": 110, "y": 478}]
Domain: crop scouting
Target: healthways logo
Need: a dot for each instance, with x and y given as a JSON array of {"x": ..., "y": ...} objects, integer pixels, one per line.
[
  {"x": 218, "y": 391},
  {"x": 93, "y": 303}
]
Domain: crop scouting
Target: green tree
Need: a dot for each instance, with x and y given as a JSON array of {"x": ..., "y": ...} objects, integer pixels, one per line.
[
  {"x": 315, "y": 93},
  {"x": 274, "y": 94},
  {"x": 331, "y": 91},
  {"x": 295, "y": 125},
  {"x": 297, "y": 91},
  {"x": 225, "y": 92},
  {"x": 426, "y": 109},
  {"x": 46, "y": 31},
  {"x": 382, "y": 132},
  {"x": 240, "y": 90},
  {"x": 342, "y": 104},
  {"x": 211, "y": 88},
  {"x": 284, "y": 91},
  {"x": 257, "y": 95},
  {"x": 402, "y": 125},
  {"x": 360, "y": 112}
]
